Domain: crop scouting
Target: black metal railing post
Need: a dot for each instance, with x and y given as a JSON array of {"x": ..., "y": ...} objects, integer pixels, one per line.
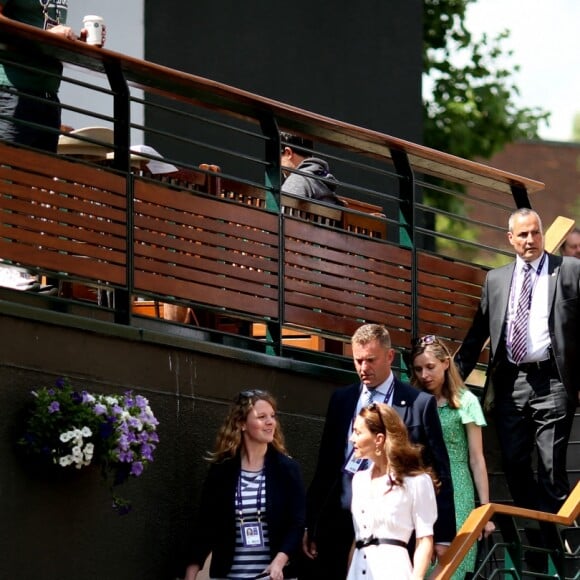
[
  {"x": 520, "y": 195},
  {"x": 273, "y": 181},
  {"x": 122, "y": 162},
  {"x": 408, "y": 225}
]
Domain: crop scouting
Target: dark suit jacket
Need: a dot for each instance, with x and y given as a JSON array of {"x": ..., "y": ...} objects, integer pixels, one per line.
[
  {"x": 419, "y": 412},
  {"x": 215, "y": 529},
  {"x": 563, "y": 323}
]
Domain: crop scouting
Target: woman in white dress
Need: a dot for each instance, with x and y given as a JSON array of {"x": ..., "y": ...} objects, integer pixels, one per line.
[{"x": 391, "y": 499}]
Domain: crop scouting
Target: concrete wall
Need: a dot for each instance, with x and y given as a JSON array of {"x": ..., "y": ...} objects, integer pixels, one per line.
[
  {"x": 359, "y": 63},
  {"x": 62, "y": 528}
]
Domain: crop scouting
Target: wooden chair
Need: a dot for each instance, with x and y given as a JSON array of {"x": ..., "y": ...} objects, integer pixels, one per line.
[{"x": 368, "y": 221}]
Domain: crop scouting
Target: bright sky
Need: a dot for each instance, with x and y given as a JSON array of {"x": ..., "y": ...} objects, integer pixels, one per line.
[{"x": 545, "y": 39}]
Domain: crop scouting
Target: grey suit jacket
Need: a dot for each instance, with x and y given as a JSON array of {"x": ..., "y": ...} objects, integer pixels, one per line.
[{"x": 564, "y": 320}]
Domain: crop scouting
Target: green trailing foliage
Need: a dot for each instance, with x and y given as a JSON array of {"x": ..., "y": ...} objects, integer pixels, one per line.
[{"x": 470, "y": 110}]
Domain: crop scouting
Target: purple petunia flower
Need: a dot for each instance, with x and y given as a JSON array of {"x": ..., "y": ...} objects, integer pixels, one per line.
[
  {"x": 54, "y": 407},
  {"x": 134, "y": 423},
  {"x": 126, "y": 456},
  {"x": 87, "y": 398},
  {"x": 123, "y": 443},
  {"x": 147, "y": 451},
  {"x": 60, "y": 383},
  {"x": 137, "y": 469},
  {"x": 141, "y": 401},
  {"x": 99, "y": 409}
]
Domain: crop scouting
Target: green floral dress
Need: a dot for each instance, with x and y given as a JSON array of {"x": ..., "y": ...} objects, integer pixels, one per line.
[{"x": 453, "y": 422}]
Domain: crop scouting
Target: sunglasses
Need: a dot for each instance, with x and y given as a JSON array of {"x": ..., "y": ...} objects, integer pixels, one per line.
[
  {"x": 375, "y": 409},
  {"x": 250, "y": 394},
  {"x": 424, "y": 340}
]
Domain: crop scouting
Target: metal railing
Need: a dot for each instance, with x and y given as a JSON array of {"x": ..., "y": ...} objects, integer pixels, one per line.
[
  {"x": 406, "y": 269},
  {"x": 548, "y": 547}
]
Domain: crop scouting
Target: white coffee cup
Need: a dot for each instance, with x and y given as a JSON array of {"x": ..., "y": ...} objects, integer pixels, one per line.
[{"x": 94, "y": 27}]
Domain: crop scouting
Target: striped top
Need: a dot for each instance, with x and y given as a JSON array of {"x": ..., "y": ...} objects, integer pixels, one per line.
[{"x": 249, "y": 561}]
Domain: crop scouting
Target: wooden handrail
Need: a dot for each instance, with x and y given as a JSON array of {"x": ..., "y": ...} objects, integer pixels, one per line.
[
  {"x": 557, "y": 232},
  {"x": 474, "y": 524},
  {"x": 243, "y": 104}
]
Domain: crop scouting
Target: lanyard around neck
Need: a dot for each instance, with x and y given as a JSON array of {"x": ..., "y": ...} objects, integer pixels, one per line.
[
  {"x": 390, "y": 390},
  {"x": 240, "y": 503},
  {"x": 534, "y": 282}
]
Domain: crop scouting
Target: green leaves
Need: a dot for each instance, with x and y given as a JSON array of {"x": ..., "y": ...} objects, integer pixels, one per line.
[{"x": 470, "y": 110}]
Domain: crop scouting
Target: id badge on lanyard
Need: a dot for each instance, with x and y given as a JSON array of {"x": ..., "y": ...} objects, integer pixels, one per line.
[
  {"x": 353, "y": 464},
  {"x": 252, "y": 533}
]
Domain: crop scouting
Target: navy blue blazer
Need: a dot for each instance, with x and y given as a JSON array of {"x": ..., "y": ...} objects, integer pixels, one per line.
[
  {"x": 419, "y": 413},
  {"x": 215, "y": 529}
]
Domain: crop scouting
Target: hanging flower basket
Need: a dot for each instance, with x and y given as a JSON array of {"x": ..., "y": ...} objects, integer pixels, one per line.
[{"x": 70, "y": 430}]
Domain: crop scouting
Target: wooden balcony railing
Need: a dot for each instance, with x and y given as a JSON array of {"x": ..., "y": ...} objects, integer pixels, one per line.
[
  {"x": 70, "y": 220},
  {"x": 216, "y": 240}
]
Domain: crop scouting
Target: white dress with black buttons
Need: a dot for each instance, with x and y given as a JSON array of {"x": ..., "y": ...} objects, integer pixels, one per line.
[{"x": 389, "y": 511}]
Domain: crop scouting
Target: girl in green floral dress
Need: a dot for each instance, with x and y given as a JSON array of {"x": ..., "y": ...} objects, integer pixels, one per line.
[{"x": 461, "y": 419}]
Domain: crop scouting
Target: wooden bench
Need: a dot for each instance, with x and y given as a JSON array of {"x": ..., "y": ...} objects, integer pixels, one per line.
[
  {"x": 360, "y": 217},
  {"x": 150, "y": 308}
]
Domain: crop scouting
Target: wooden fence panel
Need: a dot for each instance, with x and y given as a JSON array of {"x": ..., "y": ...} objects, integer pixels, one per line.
[
  {"x": 205, "y": 250},
  {"x": 61, "y": 216}
]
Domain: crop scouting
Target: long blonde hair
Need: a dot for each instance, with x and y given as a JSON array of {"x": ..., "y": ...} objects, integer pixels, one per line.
[
  {"x": 404, "y": 458},
  {"x": 229, "y": 438},
  {"x": 453, "y": 385}
]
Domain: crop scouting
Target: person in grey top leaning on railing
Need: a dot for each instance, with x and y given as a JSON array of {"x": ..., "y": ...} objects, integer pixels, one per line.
[{"x": 310, "y": 176}]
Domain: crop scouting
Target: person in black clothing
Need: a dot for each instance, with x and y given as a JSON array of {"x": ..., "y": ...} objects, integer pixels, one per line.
[{"x": 252, "y": 508}]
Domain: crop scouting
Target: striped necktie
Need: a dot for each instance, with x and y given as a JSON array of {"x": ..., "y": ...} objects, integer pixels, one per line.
[
  {"x": 370, "y": 397},
  {"x": 520, "y": 333}
]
